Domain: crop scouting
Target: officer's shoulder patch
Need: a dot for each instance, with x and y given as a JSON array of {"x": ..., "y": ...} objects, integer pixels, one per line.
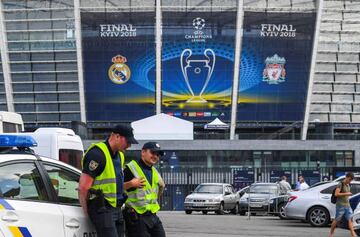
[{"x": 93, "y": 165}]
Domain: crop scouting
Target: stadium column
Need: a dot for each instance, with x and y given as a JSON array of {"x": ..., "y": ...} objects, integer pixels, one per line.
[
  {"x": 158, "y": 43},
  {"x": 79, "y": 59},
  {"x": 312, "y": 70},
  {"x": 6, "y": 62},
  {"x": 237, "y": 56}
]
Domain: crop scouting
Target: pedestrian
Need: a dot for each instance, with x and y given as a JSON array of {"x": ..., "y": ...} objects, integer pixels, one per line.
[
  {"x": 301, "y": 185},
  {"x": 142, "y": 205},
  {"x": 284, "y": 185},
  {"x": 102, "y": 182},
  {"x": 297, "y": 185},
  {"x": 343, "y": 209}
]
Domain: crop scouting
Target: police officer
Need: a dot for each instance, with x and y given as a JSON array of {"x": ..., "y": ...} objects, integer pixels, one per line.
[
  {"x": 102, "y": 182},
  {"x": 142, "y": 203}
]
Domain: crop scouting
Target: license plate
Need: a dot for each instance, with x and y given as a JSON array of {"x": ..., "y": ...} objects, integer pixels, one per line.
[
  {"x": 198, "y": 204},
  {"x": 255, "y": 205}
]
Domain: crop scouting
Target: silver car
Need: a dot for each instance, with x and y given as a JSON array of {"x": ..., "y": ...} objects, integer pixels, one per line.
[
  {"x": 218, "y": 197},
  {"x": 259, "y": 198},
  {"x": 356, "y": 220},
  {"x": 314, "y": 205}
]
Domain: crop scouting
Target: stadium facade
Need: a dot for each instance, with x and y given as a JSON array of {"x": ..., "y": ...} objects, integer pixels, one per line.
[{"x": 272, "y": 69}]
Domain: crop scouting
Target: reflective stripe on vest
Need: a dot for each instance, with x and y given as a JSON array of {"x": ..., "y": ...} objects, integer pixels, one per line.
[
  {"x": 106, "y": 181},
  {"x": 146, "y": 198}
]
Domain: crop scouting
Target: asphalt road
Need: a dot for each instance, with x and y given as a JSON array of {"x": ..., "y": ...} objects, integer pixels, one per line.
[{"x": 211, "y": 225}]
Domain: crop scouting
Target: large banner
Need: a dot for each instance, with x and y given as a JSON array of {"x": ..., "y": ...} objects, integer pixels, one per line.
[
  {"x": 197, "y": 63},
  {"x": 119, "y": 62},
  {"x": 275, "y": 64}
]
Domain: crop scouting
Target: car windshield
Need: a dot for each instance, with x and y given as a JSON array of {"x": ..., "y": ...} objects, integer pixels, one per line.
[
  {"x": 263, "y": 189},
  {"x": 209, "y": 189}
]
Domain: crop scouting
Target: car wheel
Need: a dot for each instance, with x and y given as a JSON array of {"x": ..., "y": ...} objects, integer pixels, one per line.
[
  {"x": 318, "y": 216},
  {"x": 242, "y": 213},
  {"x": 221, "y": 209},
  {"x": 357, "y": 232},
  {"x": 281, "y": 210},
  {"x": 188, "y": 212},
  {"x": 204, "y": 212},
  {"x": 236, "y": 209}
]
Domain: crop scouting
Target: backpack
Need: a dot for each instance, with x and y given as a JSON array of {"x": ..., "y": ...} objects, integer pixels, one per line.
[{"x": 333, "y": 197}]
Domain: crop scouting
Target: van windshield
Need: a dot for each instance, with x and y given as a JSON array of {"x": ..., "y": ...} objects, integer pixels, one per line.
[{"x": 71, "y": 157}]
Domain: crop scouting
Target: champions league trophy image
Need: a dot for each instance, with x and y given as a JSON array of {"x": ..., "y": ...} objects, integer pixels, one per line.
[{"x": 197, "y": 73}]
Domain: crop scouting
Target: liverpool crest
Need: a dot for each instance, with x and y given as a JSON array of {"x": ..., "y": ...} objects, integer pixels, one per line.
[
  {"x": 274, "y": 72},
  {"x": 119, "y": 72}
]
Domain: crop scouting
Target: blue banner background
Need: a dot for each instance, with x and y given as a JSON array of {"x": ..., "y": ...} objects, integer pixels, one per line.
[{"x": 105, "y": 100}]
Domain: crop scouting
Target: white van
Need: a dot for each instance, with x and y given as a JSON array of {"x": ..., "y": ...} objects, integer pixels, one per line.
[
  {"x": 11, "y": 122},
  {"x": 59, "y": 144}
]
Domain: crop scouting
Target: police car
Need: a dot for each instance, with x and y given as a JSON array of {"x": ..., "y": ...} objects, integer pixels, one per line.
[{"x": 38, "y": 195}]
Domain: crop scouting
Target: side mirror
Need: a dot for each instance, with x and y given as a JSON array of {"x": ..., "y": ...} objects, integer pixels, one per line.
[{"x": 227, "y": 193}]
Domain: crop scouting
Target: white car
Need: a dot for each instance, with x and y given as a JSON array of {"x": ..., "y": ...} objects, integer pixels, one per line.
[
  {"x": 218, "y": 197},
  {"x": 356, "y": 219},
  {"x": 314, "y": 205},
  {"x": 38, "y": 196}
]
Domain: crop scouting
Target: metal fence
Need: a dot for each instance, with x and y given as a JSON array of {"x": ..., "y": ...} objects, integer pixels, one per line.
[{"x": 180, "y": 182}]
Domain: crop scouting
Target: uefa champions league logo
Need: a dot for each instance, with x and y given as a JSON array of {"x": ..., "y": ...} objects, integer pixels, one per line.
[
  {"x": 199, "y": 34},
  {"x": 199, "y": 23},
  {"x": 197, "y": 73}
]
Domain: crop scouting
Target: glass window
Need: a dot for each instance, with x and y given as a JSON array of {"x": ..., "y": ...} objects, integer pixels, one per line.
[
  {"x": 70, "y": 117},
  {"x": 71, "y": 157},
  {"x": 42, "y": 56},
  {"x": 69, "y": 97},
  {"x": 39, "y": 25},
  {"x": 44, "y": 76},
  {"x": 19, "y": 56},
  {"x": 68, "y": 86},
  {"x": 39, "y": 14},
  {"x": 328, "y": 190},
  {"x": 70, "y": 107},
  {"x": 46, "y": 97},
  {"x": 67, "y": 76},
  {"x": 20, "y": 67},
  {"x": 21, "y": 77},
  {"x": 24, "y": 98},
  {"x": 66, "y": 66},
  {"x": 48, "y": 117},
  {"x": 15, "y": 15},
  {"x": 65, "y": 183},
  {"x": 45, "y": 87},
  {"x": 47, "y": 107},
  {"x": 24, "y": 107},
  {"x": 65, "y": 55},
  {"x": 16, "y": 25},
  {"x": 43, "y": 67},
  {"x": 22, "y": 87},
  {"x": 21, "y": 181},
  {"x": 209, "y": 189}
]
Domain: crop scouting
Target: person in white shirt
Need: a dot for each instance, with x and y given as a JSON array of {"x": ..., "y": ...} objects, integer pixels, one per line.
[
  {"x": 284, "y": 185},
  {"x": 303, "y": 184}
]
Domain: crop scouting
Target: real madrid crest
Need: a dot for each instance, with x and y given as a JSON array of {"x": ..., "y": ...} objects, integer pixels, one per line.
[
  {"x": 119, "y": 72},
  {"x": 274, "y": 72}
]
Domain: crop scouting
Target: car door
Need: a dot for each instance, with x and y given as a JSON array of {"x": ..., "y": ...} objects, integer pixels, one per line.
[
  {"x": 227, "y": 198},
  {"x": 65, "y": 183},
  {"x": 25, "y": 207}
]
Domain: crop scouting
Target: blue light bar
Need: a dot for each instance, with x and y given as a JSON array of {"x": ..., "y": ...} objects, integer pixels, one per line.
[{"x": 17, "y": 141}]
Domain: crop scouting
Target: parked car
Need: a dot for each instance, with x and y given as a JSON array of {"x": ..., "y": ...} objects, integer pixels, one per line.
[
  {"x": 313, "y": 205},
  {"x": 218, "y": 197},
  {"x": 38, "y": 195},
  {"x": 242, "y": 191},
  {"x": 341, "y": 178},
  {"x": 259, "y": 198},
  {"x": 356, "y": 219}
]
